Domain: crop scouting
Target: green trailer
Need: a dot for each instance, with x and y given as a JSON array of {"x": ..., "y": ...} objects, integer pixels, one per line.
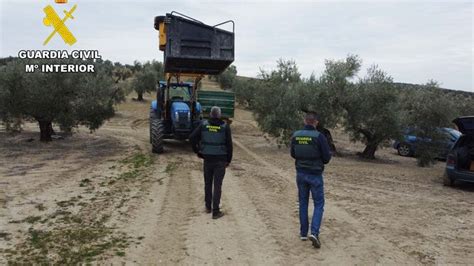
[{"x": 225, "y": 100}]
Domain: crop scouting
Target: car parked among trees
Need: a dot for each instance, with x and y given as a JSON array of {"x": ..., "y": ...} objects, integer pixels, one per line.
[
  {"x": 407, "y": 146},
  {"x": 460, "y": 160}
]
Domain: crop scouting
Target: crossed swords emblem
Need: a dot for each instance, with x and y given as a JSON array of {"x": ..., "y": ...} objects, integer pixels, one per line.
[{"x": 52, "y": 19}]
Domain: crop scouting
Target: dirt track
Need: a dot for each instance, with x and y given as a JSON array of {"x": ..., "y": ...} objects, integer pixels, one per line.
[{"x": 388, "y": 211}]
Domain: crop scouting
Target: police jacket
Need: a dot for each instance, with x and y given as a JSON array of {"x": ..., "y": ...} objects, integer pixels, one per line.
[
  {"x": 310, "y": 150},
  {"x": 212, "y": 140}
]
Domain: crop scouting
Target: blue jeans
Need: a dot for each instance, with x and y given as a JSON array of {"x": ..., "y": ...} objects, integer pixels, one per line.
[{"x": 313, "y": 183}]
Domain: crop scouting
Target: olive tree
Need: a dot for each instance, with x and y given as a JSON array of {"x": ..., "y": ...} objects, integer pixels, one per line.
[
  {"x": 69, "y": 99},
  {"x": 275, "y": 103},
  {"x": 326, "y": 95},
  {"x": 245, "y": 91},
  {"x": 425, "y": 111},
  {"x": 465, "y": 104},
  {"x": 337, "y": 78},
  {"x": 279, "y": 97},
  {"x": 372, "y": 111},
  {"x": 226, "y": 78},
  {"x": 147, "y": 77},
  {"x": 121, "y": 73}
]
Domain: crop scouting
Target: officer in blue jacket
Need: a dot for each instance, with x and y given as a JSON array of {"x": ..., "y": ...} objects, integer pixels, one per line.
[
  {"x": 311, "y": 152},
  {"x": 212, "y": 141}
]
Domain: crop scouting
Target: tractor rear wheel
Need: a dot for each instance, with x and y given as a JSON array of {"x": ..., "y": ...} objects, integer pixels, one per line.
[
  {"x": 152, "y": 117},
  {"x": 157, "y": 130}
]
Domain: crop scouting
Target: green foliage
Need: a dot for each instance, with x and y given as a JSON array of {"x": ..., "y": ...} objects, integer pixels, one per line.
[
  {"x": 425, "y": 111},
  {"x": 464, "y": 104},
  {"x": 145, "y": 81},
  {"x": 337, "y": 75},
  {"x": 12, "y": 83},
  {"x": 327, "y": 95},
  {"x": 67, "y": 246},
  {"x": 69, "y": 99},
  {"x": 138, "y": 160},
  {"x": 146, "y": 77},
  {"x": 136, "y": 164},
  {"x": 245, "y": 91},
  {"x": 226, "y": 78},
  {"x": 12, "y": 124},
  {"x": 157, "y": 67},
  {"x": 286, "y": 72},
  {"x": 121, "y": 73},
  {"x": 136, "y": 67},
  {"x": 275, "y": 103},
  {"x": 70, "y": 239},
  {"x": 372, "y": 111},
  {"x": 278, "y": 97},
  {"x": 313, "y": 96}
]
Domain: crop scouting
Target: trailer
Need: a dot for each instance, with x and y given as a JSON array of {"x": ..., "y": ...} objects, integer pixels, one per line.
[{"x": 225, "y": 100}]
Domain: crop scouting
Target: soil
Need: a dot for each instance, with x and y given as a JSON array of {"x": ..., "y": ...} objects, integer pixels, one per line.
[{"x": 131, "y": 206}]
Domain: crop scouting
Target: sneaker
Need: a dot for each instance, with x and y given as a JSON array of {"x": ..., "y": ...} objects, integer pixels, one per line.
[
  {"x": 303, "y": 238},
  {"x": 217, "y": 215},
  {"x": 315, "y": 240}
]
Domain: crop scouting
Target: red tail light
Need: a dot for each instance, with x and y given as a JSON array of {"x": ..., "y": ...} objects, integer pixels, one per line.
[{"x": 450, "y": 160}]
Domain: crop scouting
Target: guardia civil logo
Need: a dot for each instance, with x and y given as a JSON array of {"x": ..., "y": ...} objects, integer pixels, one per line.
[{"x": 58, "y": 24}]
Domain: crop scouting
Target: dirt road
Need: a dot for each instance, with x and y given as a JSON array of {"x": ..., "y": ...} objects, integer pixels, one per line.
[{"x": 104, "y": 197}]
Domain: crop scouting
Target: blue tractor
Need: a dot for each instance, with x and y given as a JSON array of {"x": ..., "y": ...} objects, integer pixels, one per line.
[{"x": 174, "y": 114}]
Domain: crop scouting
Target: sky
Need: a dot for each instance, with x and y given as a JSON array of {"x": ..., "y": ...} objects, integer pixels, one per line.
[{"x": 413, "y": 41}]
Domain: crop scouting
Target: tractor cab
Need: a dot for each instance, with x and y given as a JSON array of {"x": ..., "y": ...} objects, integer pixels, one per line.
[{"x": 174, "y": 107}]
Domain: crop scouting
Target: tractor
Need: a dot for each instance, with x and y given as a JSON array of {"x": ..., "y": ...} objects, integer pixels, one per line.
[
  {"x": 174, "y": 114},
  {"x": 192, "y": 50}
]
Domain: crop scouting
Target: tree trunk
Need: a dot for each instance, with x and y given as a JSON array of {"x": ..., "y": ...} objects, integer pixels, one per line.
[
  {"x": 369, "y": 151},
  {"x": 140, "y": 97},
  {"x": 46, "y": 130},
  {"x": 51, "y": 129}
]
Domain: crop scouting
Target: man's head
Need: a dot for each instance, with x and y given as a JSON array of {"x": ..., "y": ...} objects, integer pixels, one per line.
[
  {"x": 311, "y": 119},
  {"x": 215, "y": 112}
]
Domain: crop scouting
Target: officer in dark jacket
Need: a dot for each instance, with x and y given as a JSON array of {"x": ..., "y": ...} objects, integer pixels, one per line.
[
  {"x": 212, "y": 141},
  {"x": 311, "y": 152}
]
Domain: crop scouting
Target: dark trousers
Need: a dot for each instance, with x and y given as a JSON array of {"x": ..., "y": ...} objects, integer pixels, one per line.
[{"x": 214, "y": 172}]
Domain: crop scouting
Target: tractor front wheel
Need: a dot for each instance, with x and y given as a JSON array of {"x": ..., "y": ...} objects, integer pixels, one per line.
[{"x": 157, "y": 130}]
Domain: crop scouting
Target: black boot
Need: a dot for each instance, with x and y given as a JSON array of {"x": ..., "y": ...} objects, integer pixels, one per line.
[{"x": 217, "y": 214}]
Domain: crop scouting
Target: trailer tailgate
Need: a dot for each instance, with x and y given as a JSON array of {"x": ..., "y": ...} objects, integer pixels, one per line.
[{"x": 225, "y": 100}]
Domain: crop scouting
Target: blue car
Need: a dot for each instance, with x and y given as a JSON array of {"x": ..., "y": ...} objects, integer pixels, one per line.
[
  {"x": 460, "y": 160},
  {"x": 408, "y": 144}
]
